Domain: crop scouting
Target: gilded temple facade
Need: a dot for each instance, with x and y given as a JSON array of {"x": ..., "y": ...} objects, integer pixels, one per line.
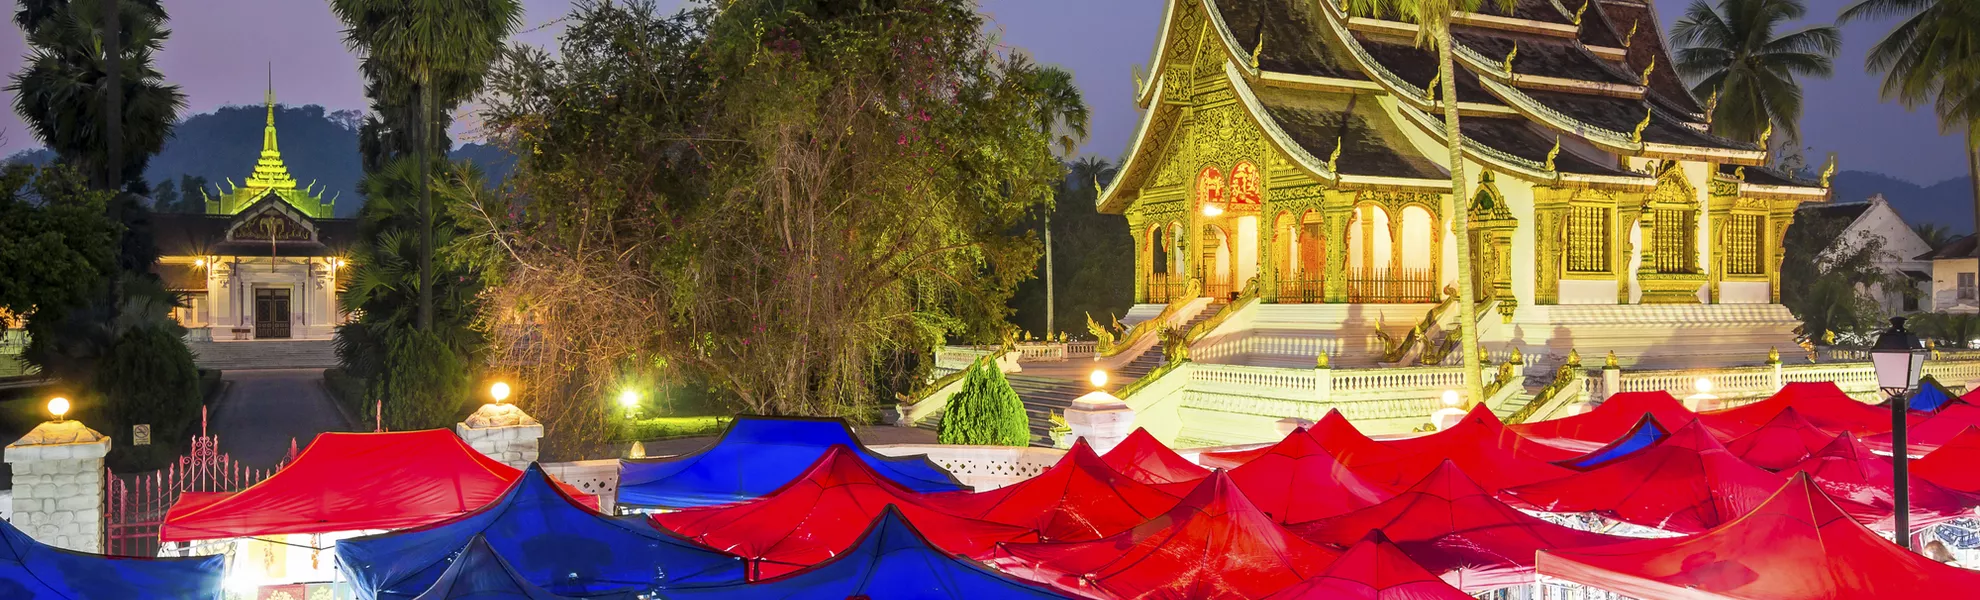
[{"x": 1293, "y": 152}]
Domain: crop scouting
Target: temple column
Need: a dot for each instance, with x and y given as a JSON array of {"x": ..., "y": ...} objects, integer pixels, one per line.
[
  {"x": 1719, "y": 215},
  {"x": 1628, "y": 209},
  {"x": 1336, "y": 213},
  {"x": 1549, "y": 211},
  {"x": 1780, "y": 215},
  {"x": 1144, "y": 255}
]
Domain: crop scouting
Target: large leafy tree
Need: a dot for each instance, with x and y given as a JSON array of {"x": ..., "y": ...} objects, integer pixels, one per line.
[
  {"x": 423, "y": 46},
  {"x": 1061, "y": 114},
  {"x": 56, "y": 245},
  {"x": 1736, "y": 53},
  {"x": 791, "y": 194},
  {"x": 63, "y": 92},
  {"x": 1932, "y": 56},
  {"x": 1433, "y": 19},
  {"x": 1826, "y": 278}
]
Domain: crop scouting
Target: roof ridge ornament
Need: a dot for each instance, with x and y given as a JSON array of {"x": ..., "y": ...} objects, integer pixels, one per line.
[
  {"x": 1334, "y": 160},
  {"x": 1259, "y": 49},
  {"x": 1766, "y": 133},
  {"x": 1711, "y": 106},
  {"x": 1739, "y": 172},
  {"x": 1647, "y": 70},
  {"x": 1511, "y": 54},
  {"x": 1636, "y": 136},
  {"x": 1829, "y": 170},
  {"x": 1631, "y": 38},
  {"x": 1553, "y": 153},
  {"x": 1431, "y": 88},
  {"x": 1583, "y": 9}
]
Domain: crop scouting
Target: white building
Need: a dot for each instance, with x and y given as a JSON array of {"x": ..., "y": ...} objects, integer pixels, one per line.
[
  {"x": 1954, "y": 271},
  {"x": 1904, "y": 251}
]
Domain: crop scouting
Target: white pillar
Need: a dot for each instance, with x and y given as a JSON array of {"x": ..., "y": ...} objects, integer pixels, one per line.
[
  {"x": 58, "y": 485},
  {"x": 1100, "y": 418},
  {"x": 504, "y": 433}
]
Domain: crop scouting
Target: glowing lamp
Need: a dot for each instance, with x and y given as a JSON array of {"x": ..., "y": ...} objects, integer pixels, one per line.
[
  {"x": 1450, "y": 398},
  {"x": 1099, "y": 378},
  {"x": 58, "y": 406},
  {"x": 499, "y": 391},
  {"x": 1703, "y": 385},
  {"x": 1211, "y": 210},
  {"x": 199, "y": 262},
  {"x": 628, "y": 398}
]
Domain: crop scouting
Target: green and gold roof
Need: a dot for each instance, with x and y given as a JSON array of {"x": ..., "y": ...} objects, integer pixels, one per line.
[{"x": 270, "y": 177}]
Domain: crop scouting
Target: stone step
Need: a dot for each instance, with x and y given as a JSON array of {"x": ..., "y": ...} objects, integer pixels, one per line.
[{"x": 264, "y": 354}]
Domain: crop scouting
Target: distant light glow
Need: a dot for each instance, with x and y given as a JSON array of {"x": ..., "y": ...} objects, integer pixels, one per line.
[
  {"x": 1450, "y": 398},
  {"x": 1211, "y": 210},
  {"x": 628, "y": 398},
  {"x": 1099, "y": 378},
  {"x": 1703, "y": 385}
]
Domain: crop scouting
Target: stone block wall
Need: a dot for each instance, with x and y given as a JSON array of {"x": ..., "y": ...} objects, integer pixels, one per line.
[
  {"x": 503, "y": 432},
  {"x": 58, "y": 485}
]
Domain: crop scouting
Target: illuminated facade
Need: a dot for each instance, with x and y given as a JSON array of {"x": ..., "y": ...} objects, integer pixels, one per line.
[
  {"x": 1290, "y": 151},
  {"x": 263, "y": 261}
]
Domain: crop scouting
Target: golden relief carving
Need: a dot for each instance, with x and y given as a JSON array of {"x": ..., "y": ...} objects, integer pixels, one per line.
[{"x": 1245, "y": 183}]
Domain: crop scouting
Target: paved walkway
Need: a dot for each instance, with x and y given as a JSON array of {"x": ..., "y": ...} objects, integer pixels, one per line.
[{"x": 263, "y": 409}]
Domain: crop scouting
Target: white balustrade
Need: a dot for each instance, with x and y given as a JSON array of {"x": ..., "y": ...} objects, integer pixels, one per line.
[
  {"x": 957, "y": 358},
  {"x": 1245, "y": 380}
]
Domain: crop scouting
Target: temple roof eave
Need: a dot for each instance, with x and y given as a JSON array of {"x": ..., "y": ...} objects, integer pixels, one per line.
[{"x": 1147, "y": 92}]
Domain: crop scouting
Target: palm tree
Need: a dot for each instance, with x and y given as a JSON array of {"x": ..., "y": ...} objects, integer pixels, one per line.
[
  {"x": 1062, "y": 115},
  {"x": 429, "y": 41},
  {"x": 1734, "y": 54},
  {"x": 1933, "y": 55},
  {"x": 62, "y": 92},
  {"x": 1935, "y": 235},
  {"x": 1433, "y": 20}
]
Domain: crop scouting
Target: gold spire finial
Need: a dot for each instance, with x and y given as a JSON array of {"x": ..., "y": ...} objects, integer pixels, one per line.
[
  {"x": 1320, "y": 362},
  {"x": 1648, "y": 69},
  {"x": 1829, "y": 169},
  {"x": 269, "y": 172},
  {"x": 1260, "y": 48},
  {"x": 1610, "y": 362},
  {"x": 1517, "y": 357},
  {"x": 1773, "y": 355},
  {"x": 1553, "y": 153},
  {"x": 1510, "y": 55},
  {"x": 1574, "y": 357},
  {"x": 1631, "y": 38},
  {"x": 1334, "y": 160},
  {"x": 1583, "y": 9}
]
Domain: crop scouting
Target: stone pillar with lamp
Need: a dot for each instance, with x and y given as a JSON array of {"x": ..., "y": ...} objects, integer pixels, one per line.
[
  {"x": 58, "y": 482},
  {"x": 1451, "y": 414},
  {"x": 1098, "y": 416},
  {"x": 502, "y": 431}
]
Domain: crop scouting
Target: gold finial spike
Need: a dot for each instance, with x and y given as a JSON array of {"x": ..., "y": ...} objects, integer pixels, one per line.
[
  {"x": 1829, "y": 170},
  {"x": 1510, "y": 55},
  {"x": 1579, "y": 11},
  {"x": 1256, "y": 51},
  {"x": 1636, "y": 137},
  {"x": 1610, "y": 362},
  {"x": 1631, "y": 38},
  {"x": 1773, "y": 355},
  {"x": 1320, "y": 362},
  {"x": 1432, "y": 88},
  {"x": 1518, "y": 358},
  {"x": 1739, "y": 173},
  {"x": 1766, "y": 133},
  {"x": 1574, "y": 357},
  {"x": 1711, "y": 106},
  {"x": 1553, "y": 153},
  {"x": 1334, "y": 160},
  {"x": 1648, "y": 69}
]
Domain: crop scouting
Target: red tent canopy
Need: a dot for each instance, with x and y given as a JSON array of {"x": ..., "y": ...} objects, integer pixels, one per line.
[
  {"x": 1077, "y": 500},
  {"x": 1490, "y": 454},
  {"x": 1797, "y": 545},
  {"x": 1213, "y": 546},
  {"x": 1688, "y": 483},
  {"x": 1347, "y": 444},
  {"x": 1450, "y": 525},
  {"x": 1952, "y": 465},
  {"x": 823, "y": 513},
  {"x": 1297, "y": 480},
  {"x": 1861, "y": 482},
  {"x": 1785, "y": 440},
  {"x": 1822, "y": 403},
  {"x": 1935, "y": 431},
  {"x": 349, "y": 482},
  {"x": 1373, "y": 569},
  {"x": 1143, "y": 458},
  {"x": 1609, "y": 420}
]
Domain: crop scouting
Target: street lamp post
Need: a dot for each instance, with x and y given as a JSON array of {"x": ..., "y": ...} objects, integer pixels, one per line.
[{"x": 1899, "y": 359}]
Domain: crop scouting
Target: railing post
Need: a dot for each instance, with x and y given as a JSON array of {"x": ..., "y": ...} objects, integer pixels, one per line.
[
  {"x": 1323, "y": 378},
  {"x": 1774, "y": 369},
  {"x": 1611, "y": 377}
]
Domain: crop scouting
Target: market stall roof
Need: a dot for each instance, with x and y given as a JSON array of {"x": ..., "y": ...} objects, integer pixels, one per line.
[
  {"x": 1929, "y": 397},
  {"x": 1214, "y": 545},
  {"x": 891, "y": 559},
  {"x": 1490, "y": 454},
  {"x": 383, "y": 481},
  {"x": 1952, "y": 465},
  {"x": 1297, "y": 480},
  {"x": 1932, "y": 432},
  {"x": 1797, "y": 545},
  {"x": 1822, "y": 403},
  {"x": 1782, "y": 442},
  {"x": 1688, "y": 483},
  {"x": 757, "y": 455},
  {"x": 1078, "y": 499},
  {"x": 1861, "y": 481},
  {"x": 1450, "y": 525},
  {"x": 1346, "y": 442},
  {"x": 822, "y": 513},
  {"x": 1645, "y": 434},
  {"x": 1609, "y": 420},
  {"x": 1373, "y": 569},
  {"x": 481, "y": 574},
  {"x": 31, "y": 569},
  {"x": 547, "y": 537},
  {"x": 1145, "y": 459}
]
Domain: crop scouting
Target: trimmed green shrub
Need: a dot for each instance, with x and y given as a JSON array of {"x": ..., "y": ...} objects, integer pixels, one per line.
[
  {"x": 148, "y": 377},
  {"x": 423, "y": 383},
  {"x": 985, "y": 412},
  {"x": 660, "y": 428}
]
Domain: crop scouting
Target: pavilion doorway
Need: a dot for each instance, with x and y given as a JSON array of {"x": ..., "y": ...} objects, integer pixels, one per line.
[{"x": 271, "y": 313}]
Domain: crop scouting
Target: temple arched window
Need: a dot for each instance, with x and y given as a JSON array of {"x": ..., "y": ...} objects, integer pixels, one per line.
[{"x": 1588, "y": 235}]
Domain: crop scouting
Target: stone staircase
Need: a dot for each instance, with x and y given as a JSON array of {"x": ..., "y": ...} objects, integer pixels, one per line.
[{"x": 264, "y": 354}]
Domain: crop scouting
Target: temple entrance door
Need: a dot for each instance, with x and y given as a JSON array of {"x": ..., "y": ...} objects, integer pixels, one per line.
[{"x": 271, "y": 313}]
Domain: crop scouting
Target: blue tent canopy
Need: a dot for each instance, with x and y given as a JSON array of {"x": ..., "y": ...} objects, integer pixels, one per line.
[
  {"x": 891, "y": 561},
  {"x": 547, "y": 537},
  {"x": 1646, "y": 433},
  {"x": 1930, "y": 397},
  {"x": 758, "y": 455},
  {"x": 480, "y": 574},
  {"x": 31, "y": 569}
]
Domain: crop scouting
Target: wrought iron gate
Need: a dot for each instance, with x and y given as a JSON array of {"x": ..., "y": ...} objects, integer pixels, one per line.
[{"x": 135, "y": 503}]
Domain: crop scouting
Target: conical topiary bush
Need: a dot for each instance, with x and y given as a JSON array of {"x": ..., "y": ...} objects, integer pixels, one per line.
[{"x": 986, "y": 412}]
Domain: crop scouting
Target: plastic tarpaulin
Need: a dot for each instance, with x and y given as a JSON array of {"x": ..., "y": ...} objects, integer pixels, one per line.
[
  {"x": 1490, "y": 454},
  {"x": 1143, "y": 458},
  {"x": 1614, "y": 417},
  {"x": 1333, "y": 432},
  {"x": 1930, "y": 397},
  {"x": 481, "y": 574},
  {"x": 1079, "y": 499},
  {"x": 890, "y": 561},
  {"x": 1797, "y": 545},
  {"x": 1450, "y": 525},
  {"x": 383, "y": 481},
  {"x": 1822, "y": 403},
  {"x": 547, "y": 537},
  {"x": 31, "y": 569},
  {"x": 1373, "y": 569},
  {"x": 1785, "y": 440},
  {"x": 1861, "y": 481},
  {"x": 1213, "y": 546},
  {"x": 1687, "y": 484},
  {"x": 1297, "y": 480},
  {"x": 1647, "y": 433},
  {"x": 757, "y": 455},
  {"x": 822, "y": 513},
  {"x": 1935, "y": 431},
  {"x": 1952, "y": 465}
]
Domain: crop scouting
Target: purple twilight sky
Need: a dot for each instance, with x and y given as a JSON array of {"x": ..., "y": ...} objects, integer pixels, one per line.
[{"x": 220, "y": 50}]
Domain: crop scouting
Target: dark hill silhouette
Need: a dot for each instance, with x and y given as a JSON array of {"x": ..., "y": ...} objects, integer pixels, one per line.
[{"x": 1948, "y": 203}]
